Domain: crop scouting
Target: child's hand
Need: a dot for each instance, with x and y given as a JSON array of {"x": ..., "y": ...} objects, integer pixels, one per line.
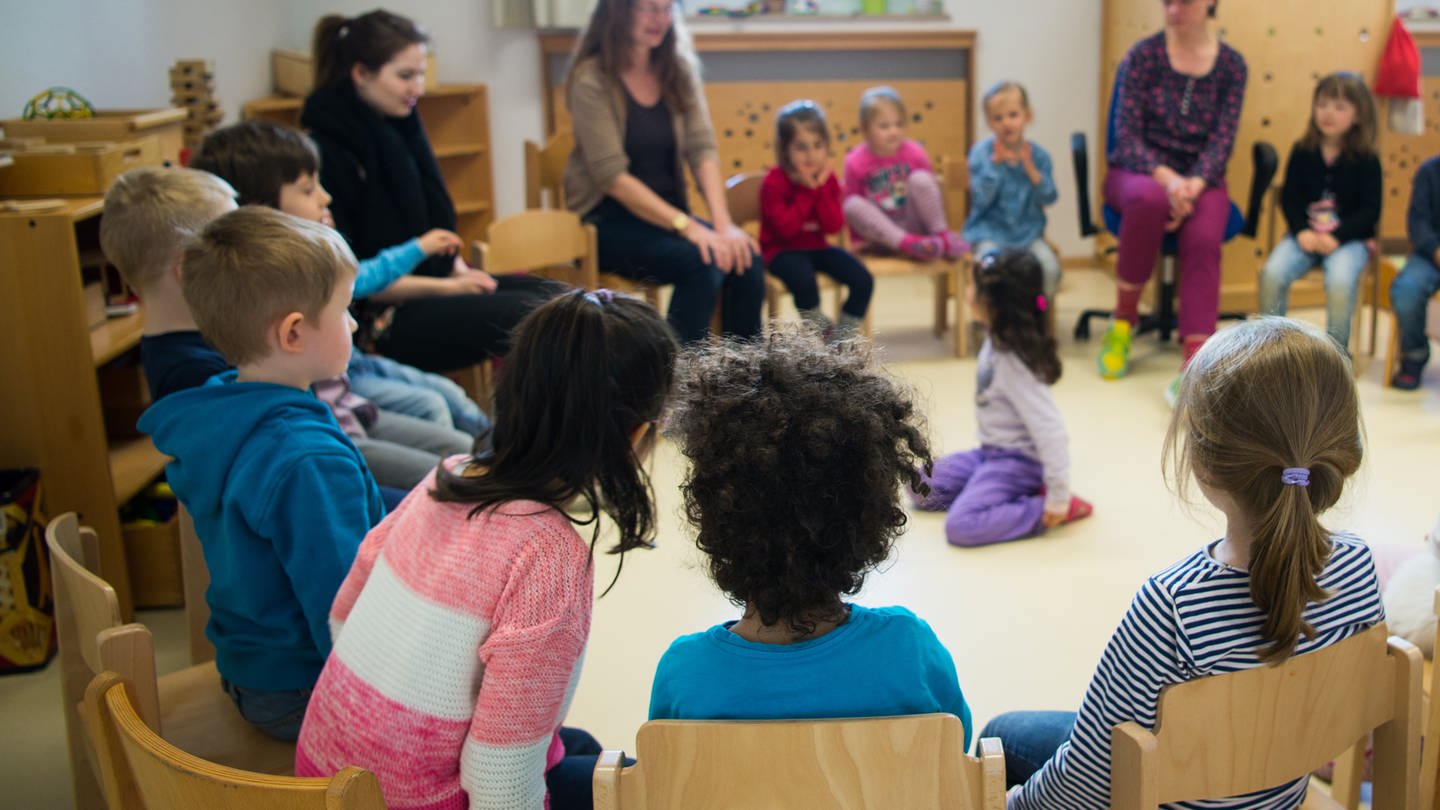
[
  {"x": 822, "y": 177},
  {"x": 467, "y": 280},
  {"x": 1325, "y": 244},
  {"x": 1308, "y": 241},
  {"x": 437, "y": 241},
  {"x": 1002, "y": 154}
]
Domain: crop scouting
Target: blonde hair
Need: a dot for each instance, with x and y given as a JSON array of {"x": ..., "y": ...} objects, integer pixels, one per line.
[
  {"x": 1263, "y": 396},
  {"x": 873, "y": 99},
  {"x": 152, "y": 213},
  {"x": 252, "y": 267}
]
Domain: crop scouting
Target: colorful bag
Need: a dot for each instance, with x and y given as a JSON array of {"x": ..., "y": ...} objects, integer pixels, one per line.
[{"x": 27, "y": 603}]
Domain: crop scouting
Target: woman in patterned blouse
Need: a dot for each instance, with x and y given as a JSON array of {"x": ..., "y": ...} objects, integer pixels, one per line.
[{"x": 1176, "y": 111}]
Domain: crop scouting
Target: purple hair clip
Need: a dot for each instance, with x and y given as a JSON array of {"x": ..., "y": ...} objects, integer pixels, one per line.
[
  {"x": 1295, "y": 476},
  {"x": 600, "y": 297},
  {"x": 1040, "y": 302}
]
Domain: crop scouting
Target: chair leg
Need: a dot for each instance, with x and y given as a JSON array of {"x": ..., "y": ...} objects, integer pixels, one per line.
[
  {"x": 1349, "y": 772},
  {"x": 942, "y": 302},
  {"x": 1392, "y": 348}
]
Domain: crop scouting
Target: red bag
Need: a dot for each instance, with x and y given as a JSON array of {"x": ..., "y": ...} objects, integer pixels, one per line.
[{"x": 1399, "y": 73}]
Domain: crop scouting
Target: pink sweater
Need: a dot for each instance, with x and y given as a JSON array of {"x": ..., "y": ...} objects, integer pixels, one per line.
[{"x": 458, "y": 644}]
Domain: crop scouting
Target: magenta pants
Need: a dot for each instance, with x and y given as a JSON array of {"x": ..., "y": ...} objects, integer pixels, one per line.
[{"x": 1144, "y": 209}]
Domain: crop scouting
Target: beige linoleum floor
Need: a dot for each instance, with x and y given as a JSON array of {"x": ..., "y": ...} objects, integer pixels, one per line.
[{"x": 1025, "y": 621}]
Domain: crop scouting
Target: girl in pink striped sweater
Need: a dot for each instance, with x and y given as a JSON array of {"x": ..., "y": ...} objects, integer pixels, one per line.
[{"x": 460, "y": 629}]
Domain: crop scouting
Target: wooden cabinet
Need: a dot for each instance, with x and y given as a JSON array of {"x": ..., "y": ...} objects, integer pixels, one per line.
[
  {"x": 457, "y": 120},
  {"x": 50, "y": 404}
]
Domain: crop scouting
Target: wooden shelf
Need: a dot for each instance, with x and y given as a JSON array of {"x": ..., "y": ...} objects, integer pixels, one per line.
[
  {"x": 134, "y": 463},
  {"x": 116, "y": 336},
  {"x": 459, "y": 150},
  {"x": 471, "y": 207}
]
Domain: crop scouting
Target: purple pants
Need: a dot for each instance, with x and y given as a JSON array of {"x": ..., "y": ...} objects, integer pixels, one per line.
[
  {"x": 1144, "y": 209},
  {"x": 990, "y": 495}
]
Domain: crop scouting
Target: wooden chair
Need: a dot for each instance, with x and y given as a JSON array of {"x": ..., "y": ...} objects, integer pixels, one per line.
[
  {"x": 742, "y": 197},
  {"x": 188, "y": 707},
  {"x": 141, "y": 771},
  {"x": 1430, "y": 749},
  {"x": 916, "y": 761},
  {"x": 545, "y": 188},
  {"x": 1245, "y": 731}
]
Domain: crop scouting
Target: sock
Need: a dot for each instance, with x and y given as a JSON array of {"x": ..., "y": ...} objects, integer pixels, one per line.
[
  {"x": 1191, "y": 344},
  {"x": 952, "y": 246},
  {"x": 921, "y": 248},
  {"x": 1127, "y": 305}
]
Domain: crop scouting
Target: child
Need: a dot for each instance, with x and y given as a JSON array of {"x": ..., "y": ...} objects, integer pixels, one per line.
[
  {"x": 1419, "y": 279},
  {"x": 1268, "y": 424},
  {"x": 464, "y": 620},
  {"x": 280, "y": 497},
  {"x": 799, "y": 208},
  {"x": 275, "y": 165},
  {"x": 1331, "y": 200},
  {"x": 796, "y": 451},
  {"x": 1010, "y": 184},
  {"x": 1017, "y": 483},
  {"x": 1409, "y": 590},
  {"x": 892, "y": 199}
]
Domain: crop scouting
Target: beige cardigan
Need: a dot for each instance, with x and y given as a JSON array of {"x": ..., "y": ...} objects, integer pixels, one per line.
[{"x": 597, "y": 113}]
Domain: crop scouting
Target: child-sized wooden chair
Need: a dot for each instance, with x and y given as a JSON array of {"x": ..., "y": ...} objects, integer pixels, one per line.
[
  {"x": 188, "y": 706},
  {"x": 1389, "y": 268},
  {"x": 141, "y": 771},
  {"x": 1227, "y": 735},
  {"x": 915, "y": 762}
]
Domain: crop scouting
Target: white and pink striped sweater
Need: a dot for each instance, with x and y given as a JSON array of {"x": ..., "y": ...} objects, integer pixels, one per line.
[{"x": 458, "y": 645}]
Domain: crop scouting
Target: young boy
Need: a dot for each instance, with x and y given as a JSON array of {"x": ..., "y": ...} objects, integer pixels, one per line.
[
  {"x": 150, "y": 214},
  {"x": 280, "y": 496},
  {"x": 278, "y": 166},
  {"x": 1418, "y": 280}
]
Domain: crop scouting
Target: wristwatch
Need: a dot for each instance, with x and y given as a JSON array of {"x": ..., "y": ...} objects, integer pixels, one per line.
[{"x": 680, "y": 222}]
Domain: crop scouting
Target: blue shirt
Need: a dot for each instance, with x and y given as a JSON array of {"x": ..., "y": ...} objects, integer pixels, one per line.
[
  {"x": 1005, "y": 207},
  {"x": 381, "y": 270},
  {"x": 881, "y": 662},
  {"x": 176, "y": 361}
]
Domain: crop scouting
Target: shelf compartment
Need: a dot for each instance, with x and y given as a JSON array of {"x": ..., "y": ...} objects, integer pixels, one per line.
[
  {"x": 116, "y": 336},
  {"x": 134, "y": 463}
]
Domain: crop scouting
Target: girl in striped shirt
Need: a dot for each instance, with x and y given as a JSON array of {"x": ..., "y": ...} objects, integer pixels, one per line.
[
  {"x": 1267, "y": 423},
  {"x": 460, "y": 629}
]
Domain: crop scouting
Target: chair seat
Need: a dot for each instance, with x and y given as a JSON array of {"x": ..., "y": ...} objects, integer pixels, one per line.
[
  {"x": 1171, "y": 246},
  {"x": 197, "y": 717}
]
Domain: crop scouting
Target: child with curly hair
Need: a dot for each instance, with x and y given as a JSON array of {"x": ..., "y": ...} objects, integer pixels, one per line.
[{"x": 797, "y": 452}]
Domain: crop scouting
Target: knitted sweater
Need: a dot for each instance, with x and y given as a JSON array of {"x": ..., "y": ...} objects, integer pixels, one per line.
[
  {"x": 796, "y": 217},
  {"x": 458, "y": 644}
]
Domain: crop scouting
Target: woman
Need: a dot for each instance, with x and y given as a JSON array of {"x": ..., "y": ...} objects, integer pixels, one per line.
[
  {"x": 639, "y": 116},
  {"x": 1176, "y": 112},
  {"x": 377, "y": 163}
]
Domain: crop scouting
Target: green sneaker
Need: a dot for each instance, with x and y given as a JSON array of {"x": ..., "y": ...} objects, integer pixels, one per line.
[{"x": 1114, "y": 359}]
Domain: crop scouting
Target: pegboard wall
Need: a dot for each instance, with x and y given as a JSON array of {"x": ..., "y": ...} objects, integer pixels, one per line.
[
  {"x": 1287, "y": 46},
  {"x": 1402, "y": 155}
]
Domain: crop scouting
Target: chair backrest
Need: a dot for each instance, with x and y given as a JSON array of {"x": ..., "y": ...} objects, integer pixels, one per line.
[
  {"x": 551, "y": 243},
  {"x": 916, "y": 761},
  {"x": 742, "y": 197},
  {"x": 545, "y": 170},
  {"x": 195, "y": 578},
  {"x": 144, "y": 772},
  {"x": 1240, "y": 732}
]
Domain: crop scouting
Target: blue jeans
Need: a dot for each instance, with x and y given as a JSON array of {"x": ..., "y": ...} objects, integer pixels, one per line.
[
  {"x": 1049, "y": 262},
  {"x": 1030, "y": 739},
  {"x": 1410, "y": 294},
  {"x": 1343, "y": 268},
  {"x": 798, "y": 268},
  {"x": 569, "y": 782},
  {"x": 635, "y": 249},
  {"x": 399, "y": 388},
  {"x": 278, "y": 714}
]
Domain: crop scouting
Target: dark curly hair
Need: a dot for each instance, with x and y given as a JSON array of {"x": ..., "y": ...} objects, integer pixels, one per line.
[
  {"x": 1008, "y": 284},
  {"x": 797, "y": 451}
]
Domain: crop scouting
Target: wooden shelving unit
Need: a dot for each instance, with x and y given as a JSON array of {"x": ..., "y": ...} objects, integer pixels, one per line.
[
  {"x": 51, "y": 407},
  {"x": 457, "y": 120}
]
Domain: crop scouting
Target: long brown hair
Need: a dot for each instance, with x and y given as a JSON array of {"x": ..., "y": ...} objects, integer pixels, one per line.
[
  {"x": 1359, "y": 140},
  {"x": 793, "y": 117},
  {"x": 606, "y": 39},
  {"x": 1260, "y": 397},
  {"x": 1009, "y": 285},
  {"x": 372, "y": 40}
]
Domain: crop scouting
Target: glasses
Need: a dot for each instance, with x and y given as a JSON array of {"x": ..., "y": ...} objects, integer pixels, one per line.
[{"x": 654, "y": 9}]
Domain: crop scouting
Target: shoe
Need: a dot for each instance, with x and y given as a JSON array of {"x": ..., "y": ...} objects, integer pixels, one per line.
[
  {"x": 1172, "y": 391},
  {"x": 1079, "y": 508},
  {"x": 1114, "y": 359},
  {"x": 952, "y": 246},
  {"x": 1408, "y": 377},
  {"x": 920, "y": 248}
]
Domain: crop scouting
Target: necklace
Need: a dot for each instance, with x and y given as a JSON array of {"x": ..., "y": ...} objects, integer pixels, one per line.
[{"x": 1185, "y": 99}]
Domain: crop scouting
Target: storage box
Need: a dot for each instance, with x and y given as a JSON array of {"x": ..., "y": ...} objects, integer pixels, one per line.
[
  {"x": 294, "y": 76},
  {"x": 152, "y": 552},
  {"x": 75, "y": 168},
  {"x": 108, "y": 125}
]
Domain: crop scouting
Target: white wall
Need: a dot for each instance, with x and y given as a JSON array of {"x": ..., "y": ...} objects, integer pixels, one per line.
[{"x": 117, "y": 53}]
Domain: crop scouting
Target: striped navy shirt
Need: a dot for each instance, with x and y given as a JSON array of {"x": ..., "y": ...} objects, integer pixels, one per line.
[{"x": 1193, "y": 619}]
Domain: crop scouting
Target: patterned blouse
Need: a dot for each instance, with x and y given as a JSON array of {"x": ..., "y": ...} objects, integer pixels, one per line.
[{"x": 1164, "y": 117}]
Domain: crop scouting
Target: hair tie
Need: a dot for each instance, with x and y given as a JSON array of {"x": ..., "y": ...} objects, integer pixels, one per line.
[
  {"x": 344, "y": 31},
  {"x": 1040, "y": 302},
  {"x": 600, "y": 297},
  {"x": 1295, "y": 476}
]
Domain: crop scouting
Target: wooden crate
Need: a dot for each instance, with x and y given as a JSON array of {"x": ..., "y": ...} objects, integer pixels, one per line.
[
  {"x": 293, "y": 75},
  {"x": 108, "y": 125},
  {"x": 153, "y": 553},
  {"x": 76, "y": 168}
]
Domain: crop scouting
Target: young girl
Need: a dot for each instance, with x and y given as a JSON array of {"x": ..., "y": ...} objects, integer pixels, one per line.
[
  {"x": 892, "y": 199},
  {"x": 799, "y": 207},
  {"x": 459, "y": 631},
  {"x": 1018, "y": 482},
  {"x": 1267, "y": 422},
  {"x": 1331, "y": 201},
  {"x": 796, "y": 452},
  {"x": 1010, "y": 184}
]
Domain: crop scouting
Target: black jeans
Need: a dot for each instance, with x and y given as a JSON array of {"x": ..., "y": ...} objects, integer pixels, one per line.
[
  {"x": 447, "y": 332},
  {"x": 798, "y": 268}
]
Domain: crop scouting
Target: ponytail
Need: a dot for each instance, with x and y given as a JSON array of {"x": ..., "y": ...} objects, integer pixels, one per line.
[
  {"x": 1009, "y": 285},
  {"x": 325, "y": 51},
  {"x": 339, "y": 43}
]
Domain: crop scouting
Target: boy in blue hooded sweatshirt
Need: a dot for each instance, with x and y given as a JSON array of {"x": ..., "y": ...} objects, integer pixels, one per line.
[{"x": 280, "y": 496}]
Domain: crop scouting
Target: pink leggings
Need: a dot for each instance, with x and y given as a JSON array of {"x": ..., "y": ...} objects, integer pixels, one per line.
[
  {"x": 923, "y": 213},
  {"x": 1144, "y": 209}
]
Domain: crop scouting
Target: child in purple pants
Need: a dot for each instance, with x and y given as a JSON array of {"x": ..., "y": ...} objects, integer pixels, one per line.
[{"x": 1017, "y": 483}]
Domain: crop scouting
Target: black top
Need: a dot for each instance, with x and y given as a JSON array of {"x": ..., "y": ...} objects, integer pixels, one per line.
[
  {"x": 1342, "y": 199},
  {"x": 177, "y": 361},
  {"x": 650, "y": 146}
]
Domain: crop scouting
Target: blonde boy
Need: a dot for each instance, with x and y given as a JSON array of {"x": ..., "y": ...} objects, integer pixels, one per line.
[{"x": 280, "y": 496}]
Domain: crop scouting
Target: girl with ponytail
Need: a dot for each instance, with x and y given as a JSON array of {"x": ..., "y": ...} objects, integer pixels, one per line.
[{"x": 1267, "y": 425}]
